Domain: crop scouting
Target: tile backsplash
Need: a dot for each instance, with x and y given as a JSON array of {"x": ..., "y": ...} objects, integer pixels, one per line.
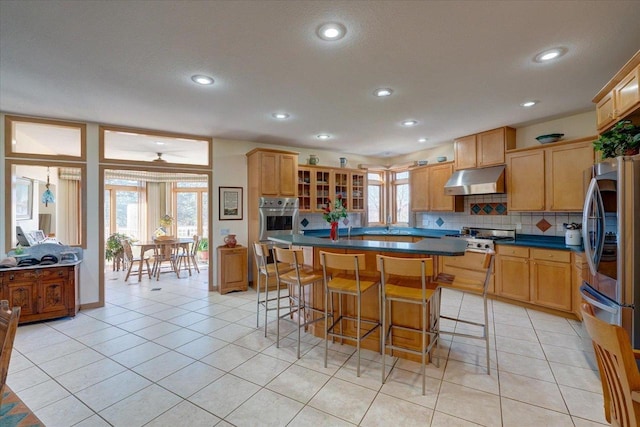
[
  {"x": 314, "y": 221},
  {"x": 540, "y": 223}
]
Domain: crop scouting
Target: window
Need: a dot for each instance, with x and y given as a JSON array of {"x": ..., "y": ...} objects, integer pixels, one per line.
[
  {"x": 191, "y": 208},
  {"x": 375, "y": 197},
  {"x": 399, "y": 196}
]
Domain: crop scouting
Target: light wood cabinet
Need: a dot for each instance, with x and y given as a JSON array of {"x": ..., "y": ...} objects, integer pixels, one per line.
[
  {"x": 419, "y": 188},
  {"x": 317, "y": 185},
  {"x": 232, "y": 269},
  {"x": 512, "y": 273},
  {"x": 542, "y": 277},
  {"x": 43, "y": 292},
  {"x": 620, "y": 98},
  {"x": 549, "y": 178},
  {"x": 484, "y": 149},
  {"x": 551, "y": 279},
  {"x": 426, "y": 186},
  {"x": 465, "y": 152}
]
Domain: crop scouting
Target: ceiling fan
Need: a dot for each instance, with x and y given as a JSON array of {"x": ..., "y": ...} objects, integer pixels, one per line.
[{"x": 159, "y": 159}]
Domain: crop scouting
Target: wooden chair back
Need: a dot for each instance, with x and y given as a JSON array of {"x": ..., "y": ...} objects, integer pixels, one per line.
[
  {"x": 347, "y": 262},
  {"x": 195, "y": 245},
  {"x": 617, "y": 368},
  {"x": 409, "y": 267},
  {"x": 128, "y": 252},
  {"x": 8, "y": 327},
  {"x": 288, "y": 256}
]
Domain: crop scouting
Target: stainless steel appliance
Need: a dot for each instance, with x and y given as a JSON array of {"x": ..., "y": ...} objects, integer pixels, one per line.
[
  {"x": 278, "y": 215},
  {"x": 611, "y": 237},
  {"x": 482, "y": 239}
]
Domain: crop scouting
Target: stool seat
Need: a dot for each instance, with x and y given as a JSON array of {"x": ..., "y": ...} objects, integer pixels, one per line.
[
  {"x": 404, "y": 292},
  {"x": 307, "y": 276},
  {"x": 348, "y": 283}
]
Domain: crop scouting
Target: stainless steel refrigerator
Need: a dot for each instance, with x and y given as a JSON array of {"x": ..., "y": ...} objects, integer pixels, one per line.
[{"x": 611, "y": 237}]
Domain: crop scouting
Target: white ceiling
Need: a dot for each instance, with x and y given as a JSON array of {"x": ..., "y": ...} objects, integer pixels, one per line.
[{"x": 456, "y": 67}]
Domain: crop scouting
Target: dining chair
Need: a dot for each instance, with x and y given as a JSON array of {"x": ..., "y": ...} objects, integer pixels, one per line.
[
  {"x": 469, "y": 287},
  {"x": 187, "y": 256},
  {"x": 406, "y": 281},
  {"x": 342, "y": 277},
  {"x": 8, "y": 327},
  {"x": 166, "y": 251},
  {"x": 132, "y": 260},
  {"x": 618, "y": 369}
]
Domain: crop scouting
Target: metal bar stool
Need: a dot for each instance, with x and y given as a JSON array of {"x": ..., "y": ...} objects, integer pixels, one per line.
[
  {"x": 473, "y": 287},
  {"x": 346, "y": 283},
  {"x": 296, "y": 280},
  {"x": 262, "y": 253},
  {"x": 405, "y": 280}
]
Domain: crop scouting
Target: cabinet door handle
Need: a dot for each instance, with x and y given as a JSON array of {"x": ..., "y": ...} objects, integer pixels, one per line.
[{"x": 11, "y": 277}]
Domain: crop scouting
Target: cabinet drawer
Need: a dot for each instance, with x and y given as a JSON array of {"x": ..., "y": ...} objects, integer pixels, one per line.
[
  {"x": 551, "y": 255},
  {"x": 50, "y": 273},
  {"x": 20, "y": 276},
  {"x": 517, "y": 251}
]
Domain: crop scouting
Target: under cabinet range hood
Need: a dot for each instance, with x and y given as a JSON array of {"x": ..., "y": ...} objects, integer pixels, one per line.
[{"x": 476, "y": 181}]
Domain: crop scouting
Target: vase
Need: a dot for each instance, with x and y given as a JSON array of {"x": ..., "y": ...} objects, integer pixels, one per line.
[
  {"x": 230, "y": 241},
  {"x": 333, "y": 234}
]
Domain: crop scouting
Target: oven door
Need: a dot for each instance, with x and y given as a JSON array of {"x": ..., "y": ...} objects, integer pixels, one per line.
[{"x": 277, "y": 221}]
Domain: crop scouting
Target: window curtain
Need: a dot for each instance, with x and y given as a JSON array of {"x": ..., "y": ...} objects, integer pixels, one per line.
[
  {"x": 154, "y": 208},
  {"x": 69, "y": 213},
  {"x": 142, "y": 212}
]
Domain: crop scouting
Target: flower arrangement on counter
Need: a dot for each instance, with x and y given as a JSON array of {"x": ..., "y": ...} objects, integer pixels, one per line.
[{"x": 338, "y": 210}]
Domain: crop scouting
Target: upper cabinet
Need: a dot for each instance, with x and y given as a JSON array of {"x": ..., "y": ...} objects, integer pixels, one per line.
[
  {"x": 484, "y": 149},
  {"x": 426, "y": 184},
  {"x": 620, "y": 98},
  {"x": 274, "y": 173},
  {"x": 549, "y": 178},
  {"x": 318, "y": 185}
]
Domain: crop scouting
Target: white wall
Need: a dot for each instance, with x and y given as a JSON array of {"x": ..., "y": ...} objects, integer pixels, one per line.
[{"x": 573, "y": 127}]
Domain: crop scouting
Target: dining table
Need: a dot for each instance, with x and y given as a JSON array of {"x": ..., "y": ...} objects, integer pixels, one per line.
[{"x": 145, "y": 246}]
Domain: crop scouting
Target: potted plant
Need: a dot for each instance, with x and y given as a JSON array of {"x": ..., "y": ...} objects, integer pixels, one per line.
[
  {"x": 203, "y": 248},
  {"x": 114, "y": 250},
  {"x": 623, "y": 139}
]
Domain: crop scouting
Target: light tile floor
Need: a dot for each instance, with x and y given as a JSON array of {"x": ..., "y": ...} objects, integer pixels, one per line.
[{"x": 180, "y": 355}]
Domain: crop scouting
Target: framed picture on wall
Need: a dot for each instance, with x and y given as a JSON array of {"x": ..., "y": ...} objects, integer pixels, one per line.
[
  {"x": 24, "y": 198},
  {"x": 230, "y": 203}
]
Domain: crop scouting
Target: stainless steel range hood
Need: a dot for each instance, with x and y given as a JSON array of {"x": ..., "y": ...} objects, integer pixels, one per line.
[{"x": 476, "y": 181}]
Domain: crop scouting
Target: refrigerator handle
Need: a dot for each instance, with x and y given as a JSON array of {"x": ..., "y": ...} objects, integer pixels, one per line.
[
  {"x": 593, "y": 199},
  {"x": 586, "y": 295}
]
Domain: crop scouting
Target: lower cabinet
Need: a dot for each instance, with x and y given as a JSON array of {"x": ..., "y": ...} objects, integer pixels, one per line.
[
  {"x": 540, "y": 276},
  {"x": 41, "y": 293},
  {"x": 232, "y": 269}
]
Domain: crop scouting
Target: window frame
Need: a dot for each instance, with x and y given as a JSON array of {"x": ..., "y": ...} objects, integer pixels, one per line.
[
  {"x": 394, "y": 182},
  {"x": 382, "y": 194}
]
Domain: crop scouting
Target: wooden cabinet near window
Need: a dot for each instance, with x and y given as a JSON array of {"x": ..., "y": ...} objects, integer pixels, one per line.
[
  {"x": 620, "y": 97},
  {"x": 232, "y": 269},
  {"x": 358, "y": 192},
  {"x": 278, "y": 172},
  {"x": 304, "y": 188},
  {"x": 317, "y": 185},
  {"x": 549, "y": 178},
  {"x": 426, "y": 186},
  {"x": 43, "y": 292},
  {"x": 484, "y": 149}
]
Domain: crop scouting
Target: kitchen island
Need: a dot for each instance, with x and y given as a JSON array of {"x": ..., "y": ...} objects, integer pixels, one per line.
[{"x": 403, "y": 314}]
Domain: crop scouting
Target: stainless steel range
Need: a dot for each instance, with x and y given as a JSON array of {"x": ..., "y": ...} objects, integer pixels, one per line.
[{"x": 483, "y": 239}]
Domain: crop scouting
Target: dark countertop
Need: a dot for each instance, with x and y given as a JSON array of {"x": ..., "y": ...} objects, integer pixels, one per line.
[
  {"x": 446, "y": 247},
  {"x": 37, "y": 266},
  {"x": 530, "y": 240}
]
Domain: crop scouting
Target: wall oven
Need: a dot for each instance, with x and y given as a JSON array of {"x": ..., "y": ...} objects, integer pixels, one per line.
[
  {"x": 277, "y": 215},
  {"x": 611, "y": 236}
]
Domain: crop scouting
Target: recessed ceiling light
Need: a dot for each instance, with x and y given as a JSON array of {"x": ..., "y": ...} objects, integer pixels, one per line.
[
  {"x": 323, "y": 136},
  {"x": 331, "y": 31},
  {"x": 280, "y": 116},
  {"x": 160, "y": 142},
  {"x": 382, "y": 92},
  {"x": 529, "y": 104},
  {"x": 422, "y": 140},
  {"x": 409, "y": 123},
  {"x": 14, "y": 142},
  {"x": 550, "y": 54},
  {"x": 202, "y": 80}
]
